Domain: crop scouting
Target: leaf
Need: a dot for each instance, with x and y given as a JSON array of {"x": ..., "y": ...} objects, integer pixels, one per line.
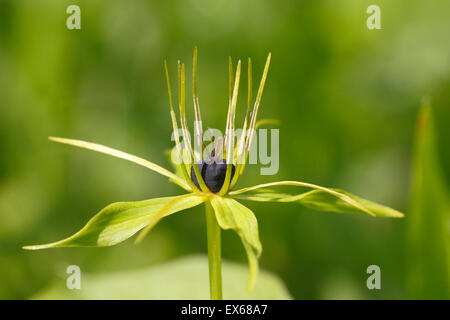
[
  {"x": 231, "y": 214},
  {"x": 428, "y": 221},
  {"x": 120, "y": 154},
  {"x": 161, "y": 214},
  {"x": 324, "y": 199},
  {"x": 180, "y": 279},
  {"x": 119, "y": 221}
]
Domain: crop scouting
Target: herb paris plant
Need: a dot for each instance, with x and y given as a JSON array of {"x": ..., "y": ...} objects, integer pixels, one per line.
[{"x": 209, "y": 183}]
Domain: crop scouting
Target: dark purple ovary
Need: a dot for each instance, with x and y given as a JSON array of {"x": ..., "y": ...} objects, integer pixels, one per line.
[{"x": 212, "y": 173}]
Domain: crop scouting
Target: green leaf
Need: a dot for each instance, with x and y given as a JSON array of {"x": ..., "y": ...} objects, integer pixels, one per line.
[
  {"x": 231, "y": 214},
  {"x": 323, "y": 199},
  {"x": 161, "y": 214},
  {"x": 126, "y": 156},
  {"x": 180, "y": 279},
  {"x": 119, "y": 221},
  {"x": 428, "y": 221}
]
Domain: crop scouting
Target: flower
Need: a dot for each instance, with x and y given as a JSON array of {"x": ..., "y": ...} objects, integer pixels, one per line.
[{"x": 210, "y": 182}]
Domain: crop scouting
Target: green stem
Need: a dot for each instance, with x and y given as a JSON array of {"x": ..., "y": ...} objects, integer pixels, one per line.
[{"x": 214, "y": 253}]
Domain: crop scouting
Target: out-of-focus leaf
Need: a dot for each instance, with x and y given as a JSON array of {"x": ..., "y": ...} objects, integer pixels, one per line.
[
  {"x": 231, "y": 214},
  {"x": 173, "y": 157},
  {"x": 179, "y": 279},
  {"x": 119, "y": 221},
  {"x": 428, "y": 221},
  {"x": 324, "y": 199}
]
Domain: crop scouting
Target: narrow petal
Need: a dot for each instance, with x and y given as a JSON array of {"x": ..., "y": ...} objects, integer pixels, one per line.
[
  {"x": 120, "y": 154},
  {"x": 262, "y": 122},
  {"x": 175, "y": 131},
  {"x": 239, "y": 153},
  {"x": 257, "y": 102},
  {"x": 119, "y": 221},
  {"x": 321, "y": 198},
  {"x": 230, "y": 80},
  {"x": 198, "y": 129},
  {"x": 182, "y": 106},
  {"x": 231, "y": 214},
  {"x": 250, "y": 131},
  {"x": 229, "y": 140},
  {"x": 181, "y": 95}
]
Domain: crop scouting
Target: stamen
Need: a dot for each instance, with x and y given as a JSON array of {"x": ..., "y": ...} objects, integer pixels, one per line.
[
  {"x": 240, "y": 150},
  {"x": 219, "y": 153},
  {"x": 198, "y": 128},
  {"x": 232, "y": 113},
  {"x": 181, "y": 96},
  {"x": 230, "y": 79},
  {"x": 213, "y": 151},
  {"x": 175, "y": 130},
  {"x": 182, "y": 105},
  {"x": 230, "y": 132},
  {"x": 257, "y": 102}
]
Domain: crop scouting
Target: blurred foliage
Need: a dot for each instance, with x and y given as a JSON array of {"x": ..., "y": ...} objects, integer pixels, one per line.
[
  {"x": 346, "y": 96},
  {"x": 181, "y": 279},
  {"x": 429, "y": 218}
]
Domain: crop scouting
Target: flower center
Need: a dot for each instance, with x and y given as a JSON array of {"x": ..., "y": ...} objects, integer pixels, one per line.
[{"x": 213, "y": 174}]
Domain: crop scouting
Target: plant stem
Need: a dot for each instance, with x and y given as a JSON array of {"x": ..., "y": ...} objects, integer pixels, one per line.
[{"x": 214, "y": 253}]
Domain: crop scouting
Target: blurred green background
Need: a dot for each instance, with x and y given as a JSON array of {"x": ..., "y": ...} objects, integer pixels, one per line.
[{"x": 347, "y": 98}]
